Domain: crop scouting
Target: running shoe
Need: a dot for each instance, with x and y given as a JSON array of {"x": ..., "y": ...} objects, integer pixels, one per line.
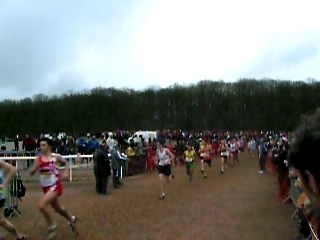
[
  {"x": 21, "y": 238},
  {"x": 52, "y": 232},
  {"x": 72, "y": 223},
  {"x": 162, "y": 196}
]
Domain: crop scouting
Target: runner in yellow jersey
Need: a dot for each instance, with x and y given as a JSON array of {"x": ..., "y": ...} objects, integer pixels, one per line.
[{"x": 190, "y": 158}]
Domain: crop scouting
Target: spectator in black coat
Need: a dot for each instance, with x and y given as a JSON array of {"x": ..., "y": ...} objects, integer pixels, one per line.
[{"x": 102, "y": 169}]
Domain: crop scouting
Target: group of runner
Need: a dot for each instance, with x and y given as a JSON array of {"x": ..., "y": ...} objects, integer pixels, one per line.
[
  {"x": 205, "y": 151},
  {"x": 202, "y": 152}
]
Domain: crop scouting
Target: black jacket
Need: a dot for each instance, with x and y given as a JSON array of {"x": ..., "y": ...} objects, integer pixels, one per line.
[{"x": 101, "y": 163}]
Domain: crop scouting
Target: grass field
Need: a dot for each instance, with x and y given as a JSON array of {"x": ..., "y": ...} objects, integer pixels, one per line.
[{"x": 237, "y": 205}]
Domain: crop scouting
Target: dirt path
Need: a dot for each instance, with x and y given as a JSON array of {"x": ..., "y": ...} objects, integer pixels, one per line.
[{"x": 238, "y": 205}]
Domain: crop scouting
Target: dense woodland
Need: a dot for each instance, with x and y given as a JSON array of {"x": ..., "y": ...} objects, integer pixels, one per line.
[{"x": 246, "y": 104}]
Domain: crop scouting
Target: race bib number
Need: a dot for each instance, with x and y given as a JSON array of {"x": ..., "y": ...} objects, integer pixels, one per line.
[{"x": 47, "y": 180}]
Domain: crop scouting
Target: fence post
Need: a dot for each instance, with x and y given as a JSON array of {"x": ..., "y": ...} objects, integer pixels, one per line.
[{"x": 17, "y": 165}]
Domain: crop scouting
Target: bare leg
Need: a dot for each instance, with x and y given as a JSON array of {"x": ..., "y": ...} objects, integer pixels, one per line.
[
  {"x": 64, "y": 213},
  {"x": 9, "y": 227},
  {"x": 162, "y": 180},
  {"x": 191, "y": 173},
  {"x": 222, "y": 165},
  {"x": 168, "y": 179},
  {"x": 206, "y": 166},
  {"x": 60, "y": 209},
  {"x": 203, "y": 168},
  {"x": 45, "y": 201}
]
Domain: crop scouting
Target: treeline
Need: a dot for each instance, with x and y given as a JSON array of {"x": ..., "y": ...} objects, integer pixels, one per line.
[{"x": 246, "y": 104}]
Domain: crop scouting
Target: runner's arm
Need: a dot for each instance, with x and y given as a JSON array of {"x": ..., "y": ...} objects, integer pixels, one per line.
[
  {"x": 60, "y": 159},
  {"x": 196, "y": 157},
  {"x": 156, "y": 159},
  {"x": 171, "y": 157},
  {"x": 11, "y": 170},
  {"x": 35, "y": 167}
]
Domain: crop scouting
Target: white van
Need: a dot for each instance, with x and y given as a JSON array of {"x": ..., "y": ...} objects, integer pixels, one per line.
[{"x": 145, "y": 134}]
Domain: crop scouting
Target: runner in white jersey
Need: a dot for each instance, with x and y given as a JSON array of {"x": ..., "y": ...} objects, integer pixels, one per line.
[
  {"x": 165, "y": 160},
  {"x": 234, "y": 150}
]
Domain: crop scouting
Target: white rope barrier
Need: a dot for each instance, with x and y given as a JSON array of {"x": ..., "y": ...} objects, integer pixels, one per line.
[
  {"x": 69, "y": 158},
  {"x": 314, "y": 235}
]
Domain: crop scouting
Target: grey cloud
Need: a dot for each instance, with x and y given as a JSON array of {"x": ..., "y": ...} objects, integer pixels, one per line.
[
  {"x": 40, "y": 38},
  {"x": 298, "y": 54},
  {"x": 285, "y": 53},
  {"x": 67, "y": 82}
]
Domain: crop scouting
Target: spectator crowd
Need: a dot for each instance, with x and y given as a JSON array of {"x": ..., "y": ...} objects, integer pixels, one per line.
[{"x": 292, "y": 158}]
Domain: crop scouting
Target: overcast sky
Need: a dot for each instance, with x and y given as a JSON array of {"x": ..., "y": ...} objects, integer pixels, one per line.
[{"x": 53, "y": 46}]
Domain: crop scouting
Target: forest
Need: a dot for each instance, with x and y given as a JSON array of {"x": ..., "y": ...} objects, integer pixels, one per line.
[{"x": 247, "y": 104}]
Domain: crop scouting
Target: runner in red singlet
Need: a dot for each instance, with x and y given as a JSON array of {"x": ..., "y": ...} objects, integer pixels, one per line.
[{"x": 50, "y": 180}]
